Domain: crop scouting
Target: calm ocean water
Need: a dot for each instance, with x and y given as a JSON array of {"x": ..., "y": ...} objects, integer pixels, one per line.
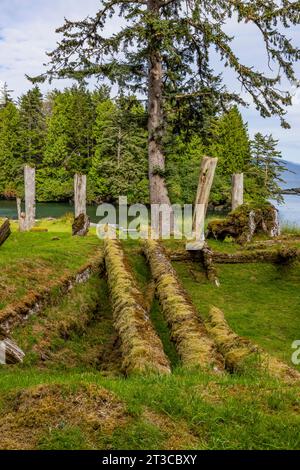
[{"x": 290, "y": 210}]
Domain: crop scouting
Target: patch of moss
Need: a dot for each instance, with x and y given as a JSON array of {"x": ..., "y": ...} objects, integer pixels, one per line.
[{"x": 241, "y": 353}]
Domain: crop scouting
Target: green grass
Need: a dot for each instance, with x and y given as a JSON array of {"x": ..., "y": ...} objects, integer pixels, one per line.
[
  {"x": 30, "y": 260},
  {"x": 260, "y": 301},
  {"x": 85, "y": 403}
]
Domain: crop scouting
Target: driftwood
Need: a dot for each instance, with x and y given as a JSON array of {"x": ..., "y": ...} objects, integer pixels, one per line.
[
  {"x": 10, "y": 352},
  {"x": 4, "y": 231}
]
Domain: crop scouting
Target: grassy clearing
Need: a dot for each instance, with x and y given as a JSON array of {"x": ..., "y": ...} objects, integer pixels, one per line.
[
  {"x": 70, "y": 394},
  {"x": 260, "y": 301},
  {"x": 30, "y": 260}
]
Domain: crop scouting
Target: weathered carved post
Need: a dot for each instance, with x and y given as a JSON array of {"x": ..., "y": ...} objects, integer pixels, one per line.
[
  {"x": 80, "y": 194},
  {"x": 207, "y": 173},
  {"x": 82, "y": 222},
  {"x": 237, "y": 191},
  {"x": 29, "y": 180},
  {"x": 19, "y": 204}
]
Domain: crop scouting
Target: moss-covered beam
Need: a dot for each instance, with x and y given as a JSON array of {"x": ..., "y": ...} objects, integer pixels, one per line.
[
  {"x": 240, "y": 353},
  {"x": 194, "y": 345},
  {"x": 142, "y": 350}
]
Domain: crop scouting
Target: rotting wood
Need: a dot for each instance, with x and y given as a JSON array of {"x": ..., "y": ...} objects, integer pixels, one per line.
[
  {"x": 279, "y": 256},
  {"x": 237, "y": 190},
  {"x": 29, "y": 181},
  {"x": 241, "y": 352},
  {"x": 11, "y": 352},
  {"x": 35, "y": 301},
  {"x": 193, "y": 344},
  {"x": 4, "y": 231},
  {"x": 142, "y": 350},
  {"x": 207, "y": 256},
  {"x": 81, "y": 225}
]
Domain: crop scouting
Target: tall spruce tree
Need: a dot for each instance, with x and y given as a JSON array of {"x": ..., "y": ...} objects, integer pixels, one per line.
[
  {"x": 32, "y": 126},
  {"x": 69, "y": 143},
  {"x": 10, "y": 152},
  {"x": 119, "y": 166},
  {"x": 266, "y": 167},
  {"x": 164, "y": 50}
]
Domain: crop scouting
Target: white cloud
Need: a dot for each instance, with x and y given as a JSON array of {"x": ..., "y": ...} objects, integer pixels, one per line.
[{"x": 27, "y": 30}]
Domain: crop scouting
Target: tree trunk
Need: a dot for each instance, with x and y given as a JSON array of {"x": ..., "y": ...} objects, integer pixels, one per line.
[
  {"x": 158, "y": 190},
  {"x": 29, "y": 178},
  {"x": 237, "y": 192},
  {"x": 80, "y": 194}
]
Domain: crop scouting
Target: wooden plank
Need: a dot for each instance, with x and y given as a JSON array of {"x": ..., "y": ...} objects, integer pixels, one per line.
[{"x": 237, "y": 191}]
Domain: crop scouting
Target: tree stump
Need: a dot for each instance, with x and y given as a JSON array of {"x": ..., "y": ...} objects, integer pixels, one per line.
[
  {"x": 4, "y": 231},
  {"x": 81, "y": 225},
  {"x": 246, "y": 221}
]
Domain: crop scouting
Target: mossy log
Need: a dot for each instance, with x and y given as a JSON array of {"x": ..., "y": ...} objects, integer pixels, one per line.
[
  {"x": 283, "y": 255},
  {"x": 141, "y": 348},
  {"x": 246, "y": 221},
  {"x": 241, "y": 352},
  {"x": 4, "y": 231},
  {"x": 194, "y": 345}
]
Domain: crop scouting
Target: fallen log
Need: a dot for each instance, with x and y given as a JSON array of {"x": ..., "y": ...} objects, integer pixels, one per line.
[
  {"x": 281, "y": 256},
  {"x": 4, "y": 231},
  {"x": 193, "y": 344},
  {"x": 10, "y": 352},
  {"x": 240, "y": 353},
  {"x": 141, "y": 347}
]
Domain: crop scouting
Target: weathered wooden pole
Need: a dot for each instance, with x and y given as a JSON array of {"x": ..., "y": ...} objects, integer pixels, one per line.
[
  {"x": 207, "y": 173},
  {"x": 237, "y": 191},
  {"x": 81, "y": 223},
  {"x": 80, "y": 194},
  {"x": 29, "y": 180},
  {"x": 19, "y": 205}
]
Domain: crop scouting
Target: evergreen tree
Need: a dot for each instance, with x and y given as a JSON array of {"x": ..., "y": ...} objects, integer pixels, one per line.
[
  {"x": 32, "y": 127},
  {"x": 10, "y": 157},
  {"x": 69, "y": 142},
  {"x": 230, "y": 143},
  {"x": 266, "y": 168},
  {"x": 164, "y": 50},
  {"x": 119, "y": 165}
]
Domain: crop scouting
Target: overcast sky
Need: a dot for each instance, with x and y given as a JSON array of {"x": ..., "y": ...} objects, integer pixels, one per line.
[{"x": 27, "y": 30}]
